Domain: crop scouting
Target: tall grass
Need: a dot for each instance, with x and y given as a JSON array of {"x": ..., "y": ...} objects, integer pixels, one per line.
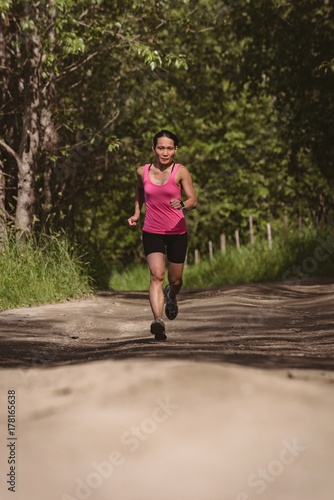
[
  {"x": 46, "y": 271},
  {"x": 134, "y": 278},
  {"x": 292, "y": 259},
  {"x": 51, "y": 270}
]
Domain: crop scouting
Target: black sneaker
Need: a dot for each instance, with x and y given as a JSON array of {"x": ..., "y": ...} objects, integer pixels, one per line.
[
  {"x": 158, "y": 329},
  {"x": 171, "y": 308}
]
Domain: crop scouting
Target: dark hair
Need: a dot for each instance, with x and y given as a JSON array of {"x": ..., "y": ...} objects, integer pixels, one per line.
[{"x": 165, "y": 133}]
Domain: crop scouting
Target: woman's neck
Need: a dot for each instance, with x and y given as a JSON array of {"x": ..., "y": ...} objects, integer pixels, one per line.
[{"x": 162, "y": 167}]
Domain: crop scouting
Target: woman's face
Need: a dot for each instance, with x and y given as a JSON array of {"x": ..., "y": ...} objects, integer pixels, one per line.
[{"x": 165, "y": 151}]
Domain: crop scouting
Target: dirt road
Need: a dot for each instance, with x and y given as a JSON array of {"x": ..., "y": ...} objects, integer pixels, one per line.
[{"x": 237, "y": 404}]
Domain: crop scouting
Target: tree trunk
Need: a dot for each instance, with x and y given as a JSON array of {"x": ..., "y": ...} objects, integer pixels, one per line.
[
  {"x": 30, "y": 137},
  {"x": 3, "y": 225},
  {"x": 50, "y": 138},
  {"x": 3, "y": 86}
]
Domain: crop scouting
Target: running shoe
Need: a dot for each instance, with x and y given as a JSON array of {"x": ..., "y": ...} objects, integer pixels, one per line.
[
  {"x": 158, "y": 329},
  {"x": 171, "y": 308}
]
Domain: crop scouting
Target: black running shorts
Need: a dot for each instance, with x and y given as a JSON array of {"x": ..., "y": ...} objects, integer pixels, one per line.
[{"x": 173, "y": 245}]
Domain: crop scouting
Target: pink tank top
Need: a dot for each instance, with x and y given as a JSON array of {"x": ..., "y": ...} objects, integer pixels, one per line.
[{"x": 160, "y": 217}]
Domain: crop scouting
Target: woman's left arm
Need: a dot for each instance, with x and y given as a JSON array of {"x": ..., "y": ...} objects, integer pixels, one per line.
[{"x": 186, "y": 182}]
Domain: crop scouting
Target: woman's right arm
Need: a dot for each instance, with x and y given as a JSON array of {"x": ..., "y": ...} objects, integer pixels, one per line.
[{"x": 139, "y": 198}]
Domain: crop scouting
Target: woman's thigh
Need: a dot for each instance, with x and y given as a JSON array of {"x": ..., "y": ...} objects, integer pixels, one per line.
[
  {"x": 156, "y": 264},
  {"x": 177, "y": 248}
]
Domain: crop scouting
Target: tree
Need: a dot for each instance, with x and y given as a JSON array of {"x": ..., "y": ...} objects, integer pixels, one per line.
[
  {"x": 288, "y": 54},
  {"x": 47, "y": 50},
  {"x": 85, "y": 85}
]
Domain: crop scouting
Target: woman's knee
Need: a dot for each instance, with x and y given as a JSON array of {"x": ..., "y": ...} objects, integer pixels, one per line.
[
  {"x": 157, "y": 275},
  {"x": 176, "y": 281}
]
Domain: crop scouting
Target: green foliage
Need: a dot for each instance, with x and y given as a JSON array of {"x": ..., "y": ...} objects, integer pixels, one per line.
[
  {"x": 5, "y": 5},
  {"x": 135, "y": 278},
  {"x": 289, "y": 50},
  {"x": 46, "y": 271},
  {"x": 150, "y": 57},
  {"x": 290, "y": 259},
  {"x": 246, "y": 85}
]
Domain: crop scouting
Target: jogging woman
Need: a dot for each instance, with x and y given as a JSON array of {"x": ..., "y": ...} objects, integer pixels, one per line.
[{"x": 160, "y": 186}]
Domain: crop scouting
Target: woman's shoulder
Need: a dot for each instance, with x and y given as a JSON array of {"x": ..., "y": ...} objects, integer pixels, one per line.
[
  {"x": 181, "y": 169},
  {"x": 180, "y": 166},
  {"x": 182, "y": 174},
  {"x": 141, "y": 170}
]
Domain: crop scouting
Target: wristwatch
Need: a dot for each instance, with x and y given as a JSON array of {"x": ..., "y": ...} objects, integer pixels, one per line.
[{"x": 182, "y": 205}]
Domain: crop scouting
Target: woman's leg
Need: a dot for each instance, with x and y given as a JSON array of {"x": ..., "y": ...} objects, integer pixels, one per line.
[
  {"x": 175, "y": 272},
  {"x": 176, "y": 255},
  {"x": 156, "y": 264}
]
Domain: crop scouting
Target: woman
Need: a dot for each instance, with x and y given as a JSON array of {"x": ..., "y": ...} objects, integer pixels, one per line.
[{"x": 160, "y": 186}]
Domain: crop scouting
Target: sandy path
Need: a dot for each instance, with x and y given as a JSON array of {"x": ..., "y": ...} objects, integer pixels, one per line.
[{"x": 236, "y": 405}]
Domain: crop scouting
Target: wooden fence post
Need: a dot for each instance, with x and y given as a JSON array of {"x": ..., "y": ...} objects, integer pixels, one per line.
[
  {"x": 237, "y": 241},
  {"x": 270, "y": 243},
  {"x": 300, "y": 227},
  {"x": 196, "y": 256},
  {"x": 251, "y": 230},
  {"x": 223, "y": 243},
  {"x": 286, "y": 226},
  {"x": 210, "y": 250}
]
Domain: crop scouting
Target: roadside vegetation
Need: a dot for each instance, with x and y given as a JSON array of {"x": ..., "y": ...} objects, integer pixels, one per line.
[
  {"x": 247, "y": 86},
  {"x": 292, "y": 259},
  {"x": 39, "y": 272},
  {"x": 53, "y": 270}
]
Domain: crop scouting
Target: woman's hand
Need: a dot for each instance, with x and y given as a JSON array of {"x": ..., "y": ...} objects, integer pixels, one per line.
[
  {"x": 175, "y": 203},
  {"x": 132, "y": 221}
]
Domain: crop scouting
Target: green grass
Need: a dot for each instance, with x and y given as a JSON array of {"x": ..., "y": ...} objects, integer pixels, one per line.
[
  {"x": 38, "y": 273},
  {"x": 294, "y": 259},
  {"x": 51, "y": 270},
  {"x": 135, "y": 278}
]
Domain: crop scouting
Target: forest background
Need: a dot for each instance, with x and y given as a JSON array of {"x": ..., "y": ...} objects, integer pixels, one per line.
[{"x": 247, "y": 85}]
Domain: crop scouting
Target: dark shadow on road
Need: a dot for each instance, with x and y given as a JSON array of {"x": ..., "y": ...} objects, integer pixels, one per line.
[{"x": 266, "y": 326}]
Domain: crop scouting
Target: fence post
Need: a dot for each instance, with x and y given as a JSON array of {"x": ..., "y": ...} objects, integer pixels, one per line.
[
  {"x": 223, "y": 243},
  {"x": 237, "y": 241},
  {"x": 300, "y": 227},
  {"x": 210, "y": 250},
  {"x": 286, "y": 226},
  {"x": 270, "y": 243},
  {"x": 196, "y": 256},
  {"x": 251, "y": 230}
]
